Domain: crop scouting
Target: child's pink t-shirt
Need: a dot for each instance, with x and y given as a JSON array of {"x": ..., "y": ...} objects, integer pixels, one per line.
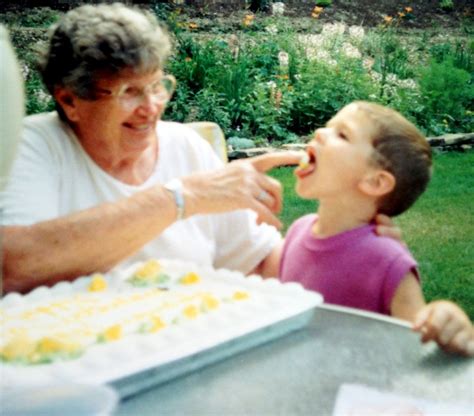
[{"x": 356, "y": 268}]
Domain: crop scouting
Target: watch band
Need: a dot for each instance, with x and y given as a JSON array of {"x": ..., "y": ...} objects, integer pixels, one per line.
[{"x": 175, "y": 186}]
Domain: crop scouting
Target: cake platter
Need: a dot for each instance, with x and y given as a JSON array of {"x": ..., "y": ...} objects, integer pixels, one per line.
[{"x": 204, "y": 316}]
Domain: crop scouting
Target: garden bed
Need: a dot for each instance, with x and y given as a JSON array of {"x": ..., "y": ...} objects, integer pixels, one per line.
[
  {"x": 229, "y": 69},
  {"x": 427, "y": 14}
]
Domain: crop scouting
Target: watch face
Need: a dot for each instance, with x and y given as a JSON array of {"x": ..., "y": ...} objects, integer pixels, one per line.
[
  {"x": 176, "y": 187},
  {"x": 174, "y": 184}
]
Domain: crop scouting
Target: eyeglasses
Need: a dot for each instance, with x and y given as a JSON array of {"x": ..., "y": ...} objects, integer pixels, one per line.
[{"x": 131, "y": 97}]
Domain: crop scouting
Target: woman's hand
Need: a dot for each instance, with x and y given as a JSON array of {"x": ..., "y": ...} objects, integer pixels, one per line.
[
  {"x": 387, "y": 228},
  {"x": 447, "y": 324},
  {"x": 239, "y": 185}
]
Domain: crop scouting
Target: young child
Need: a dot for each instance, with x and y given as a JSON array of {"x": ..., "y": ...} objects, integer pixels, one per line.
[{"x": 367, "y": 160}]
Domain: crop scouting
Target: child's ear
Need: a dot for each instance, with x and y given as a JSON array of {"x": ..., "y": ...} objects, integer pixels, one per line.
[
  {"x": 67, "y": 101},
  {"x": 377, "y": 182}
]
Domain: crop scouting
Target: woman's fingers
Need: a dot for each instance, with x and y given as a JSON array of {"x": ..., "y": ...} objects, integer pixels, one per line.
[
  {"x": 270, "y": 193},
  {"x": 238, "y": 185},
  {"x": 387, "y": 228},
  {"x": 264, "y": 163},
  {"x": 264, "y": 214},
  {"x": 382, "y": 219}
]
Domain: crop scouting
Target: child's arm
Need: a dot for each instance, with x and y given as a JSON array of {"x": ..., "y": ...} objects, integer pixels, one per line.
[
  {"x": 408, "y": 299},
  {"x": 269, "y": 266},
  {"x": 447, "y": 324},
  {"x": 442, "y": 321}
]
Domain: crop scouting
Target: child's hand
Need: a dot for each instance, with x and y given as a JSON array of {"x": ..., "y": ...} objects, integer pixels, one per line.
[{"x": 448, "y": 325}]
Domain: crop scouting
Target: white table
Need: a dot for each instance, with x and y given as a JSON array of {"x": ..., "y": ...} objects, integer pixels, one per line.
[{"x": 300, "y": 374}]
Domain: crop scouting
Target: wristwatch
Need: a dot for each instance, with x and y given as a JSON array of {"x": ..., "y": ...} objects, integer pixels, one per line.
[{"x": 175, "y": 186}]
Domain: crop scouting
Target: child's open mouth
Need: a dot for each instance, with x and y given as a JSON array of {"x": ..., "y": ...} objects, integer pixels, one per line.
[{"x": 307, "y": 163}]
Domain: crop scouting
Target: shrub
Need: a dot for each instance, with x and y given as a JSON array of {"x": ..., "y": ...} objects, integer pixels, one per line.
[
  {"x": 389, "y": 53},
  {"x": 446, "y": 5},
  {"x": 179, "y": 108},
  {"x": 323, "y": 3},
  {"x": 239, "y": 82},
  {"x": 38, "y": 17},
  {"x": 212, "y": 106},
  {"x": 323, "y": 89},
  {"x": 461, "y": 54},
  {"x": 269, "y": 113},
  {"x": 38, "y": 100},
  {"x": 447, "y": 92}
]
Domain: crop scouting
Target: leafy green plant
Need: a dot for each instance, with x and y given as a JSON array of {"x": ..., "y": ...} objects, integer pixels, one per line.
[
  {"x": 323, "y": 3},
  {"x": 447, "y": 93},
  {"x": 322, "y": 90},
  {"x": 460, "y": 53},
  {"x": 389, "y": 54},
  {"x": 212, "y": 106},
  {"x": 38, "y": 17},
  {"x": 269, "y": 114},
  {"x": 446, "y": 5},
  {"x": 234, "y": 82},
  {"x": 179, "y": 108},
  {"x": 227, "y": 78},
  {"x": 38, "y": 100}
]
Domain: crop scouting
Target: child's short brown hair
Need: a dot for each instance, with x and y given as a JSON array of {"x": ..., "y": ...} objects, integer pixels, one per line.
[{"x": 402, "y": 150}]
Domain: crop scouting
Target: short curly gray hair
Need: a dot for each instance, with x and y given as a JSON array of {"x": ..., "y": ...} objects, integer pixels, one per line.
[{"x": 99, "y": 40}]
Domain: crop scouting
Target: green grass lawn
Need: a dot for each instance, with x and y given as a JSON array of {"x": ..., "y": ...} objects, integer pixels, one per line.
[{"x": 439, "y": 228}]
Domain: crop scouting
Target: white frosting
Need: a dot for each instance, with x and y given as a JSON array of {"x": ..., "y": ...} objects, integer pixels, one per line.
[{"x": 221, "y": 306}]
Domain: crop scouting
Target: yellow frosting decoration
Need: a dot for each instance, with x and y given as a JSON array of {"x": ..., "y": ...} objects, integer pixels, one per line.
[
  {"x": 157, "y": 324},
  {"x": 191, "y": 312},
  {"x": 240, "y": 295},
  {"x": 19, "y": 347},
  {"x": 62, "y": 328},
  {"x": 50, "y": 345},
  {"x": 190, "y": 278},
  {"x": 112, "y": 333},
  {"x": 150, "y": 269},
  {"x": 210, "y": 302},
  {"x": 98, "y": 283}
]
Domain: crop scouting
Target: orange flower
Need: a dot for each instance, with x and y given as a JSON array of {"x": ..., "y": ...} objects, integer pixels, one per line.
[
  {"x": 401, "y": 14},
  {"x": 408, "y": 9},
  {"x": 388, "y": 19},
  {"x": 192, "y": 26},
  {"x": 278, "y": 97},
  {"x": 316, "y": 12},
  {"x": 248, "y": 19}
]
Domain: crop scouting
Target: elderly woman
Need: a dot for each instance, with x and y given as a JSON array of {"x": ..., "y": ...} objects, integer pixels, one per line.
[{"x": 103, "y": 181}]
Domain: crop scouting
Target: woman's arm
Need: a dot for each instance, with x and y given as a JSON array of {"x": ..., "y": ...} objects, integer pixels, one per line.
[
  {"x": 270, "y": 265},
  {"x": 91, "y": 240},
  {"x": 98, "y": 238}
]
